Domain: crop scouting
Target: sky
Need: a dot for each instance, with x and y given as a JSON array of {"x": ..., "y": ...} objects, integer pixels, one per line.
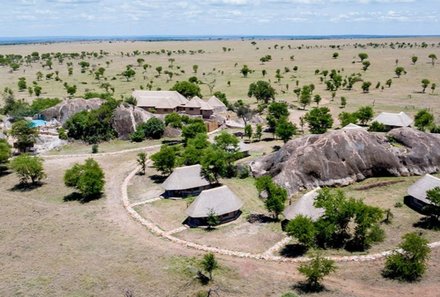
[{"x": 26, "y": 18}]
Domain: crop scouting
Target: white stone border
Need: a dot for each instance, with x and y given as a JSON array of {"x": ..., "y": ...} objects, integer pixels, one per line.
[{"x": 153, "y": 228}]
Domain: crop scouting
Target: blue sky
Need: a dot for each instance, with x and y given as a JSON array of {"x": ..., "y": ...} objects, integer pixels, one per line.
[{"x": 217, "y": 17}]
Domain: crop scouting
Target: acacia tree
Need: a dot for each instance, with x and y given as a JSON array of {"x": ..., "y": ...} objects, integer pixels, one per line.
[
  {"x": 319, "y": 120},
  {"x": 305, "y": 96},
  {"x": 423, "y": 119},
  {"x": 364, "y": 114},
  {"x": 433, "y": 58},
  {"x": 245, "y": 71},
  {"x": 399, "y": 71},
  {"x": 25, "y": 135},
  {"x": 285, "y": 129},
  {"x": 262, "y": 91},
  {"x": 164, "y": 160},
  {"x": 425, "y": 84},
  {"x": 363, "y": 56},
  {"x": 414, "y": 59},
  {"x": 28, "y": 168}
]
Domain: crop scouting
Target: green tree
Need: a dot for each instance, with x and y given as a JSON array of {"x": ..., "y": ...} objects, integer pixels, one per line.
[
  {"x": 5, "y": 154},
  {"x": 319, "y": 120},
  {"x": 433, "y": 196},
  {"x": 276, "y": 111},
  {"x": 214, "y": 164},
  {"x": 377, "y": 127},
  {"x": 191, "y": 130},
  {"x": 285, "y": 129},
  {"x": 174, "y": 120},
  {"x": 425, "y": 84},
  {"x": 408, "y": 263},
  {"x": 227, "y": 142},
  {"x": 365, "y": 114},
  {"x": 433, "y": 58},
  {"x": 142, "y": 161},
  {"x": 315, "y": 271},
  {"x": 423, "y": 120},
  {"x": 389, "y": 82},
  {"x": 276, "y": 198},
  {"x": 37, "y": 90},
  {"x": 366, "y": 86},
  {"x": 209, "y": 264},
  {"x": 305, "y": 97},
  {"x": 154, "y": 128},
  {"x": 87, "y": 178},
  {"x": 414, "y": 59},
  {"x": 259, "y": 132},
  {"x": 363, "y": 56},
  {"x": 212, "y": 220},
  {"x": 399, "y": 71},
  {"x": 245, "y": 71},
  {"x": 70, "y": 89},
  {"x": 343, "y": 102},
  {"x": 262, "y": 91},
  {"x": 248, "y": 131},
  {"x": 365, "y": 65},
  {"x": 317, "y": 99},
  {"x": 22, "y": 84},
  {"x": 346, "y": 118},
  {"x": 187, "y": 89},
  {"x": 433, "y": 86},
  {"x": 303, "y": 229},
  {"x": 128, "y": 73},
  {"x": 25, "y": 135},
  {"x": 28, "y": 168},
  {"x": 195, "y": 68},
  {"x": 165, "y": 160}
]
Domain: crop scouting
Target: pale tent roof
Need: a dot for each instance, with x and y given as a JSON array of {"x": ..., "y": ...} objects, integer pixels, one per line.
[
  {"x": 187, "y": 177},
  {"x": 304, "y": 206},
  {"x": 419, "y": 188},
  {"x": 196, "y": 102},
  {"x": 394, "y": 119},
  {"x": 215, "y": 102},
  {"x": 352, "y": 126},
  {"x": 159, "y": 99},
  {"x": 219, "y": 200}
]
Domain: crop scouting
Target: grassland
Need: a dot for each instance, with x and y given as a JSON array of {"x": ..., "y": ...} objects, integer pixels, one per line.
[{"x": 53, "y": 247}]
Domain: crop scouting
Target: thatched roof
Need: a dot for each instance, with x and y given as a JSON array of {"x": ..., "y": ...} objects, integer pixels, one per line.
[
  {"x": 394, "y": 119},
  {"x": 353, "y": 127},
  {"x": 219, "y": 200},
  {"x": 304, "y": 206},
  {"x": 217, "y": 104},
  {"x": 183, "y": 178},
  {"x": 419, "y": 188},
  {"x": 196, "y": 102},
  {"x": 159, "y": 99}
]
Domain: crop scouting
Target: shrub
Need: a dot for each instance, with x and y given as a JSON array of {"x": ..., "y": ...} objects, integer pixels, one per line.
[
  {"x": 187, "y": 89},
  {"x": 409, "y": 264},
  {"x": 154, "y": 128},
  {"x": 87, "y": 178},
  {"x": 303, "y": 229},
  {"x": 25, "y": 135},
  {"x": 316, "y": 270},
  {"x": 28, "y": 168},
  {"x": 5, "y": 153},
  {"x": 377, "y": 127},
  {"x": 95, "y": 148}
]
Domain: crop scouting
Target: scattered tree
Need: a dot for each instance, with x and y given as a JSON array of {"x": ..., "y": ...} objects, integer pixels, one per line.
[
  {"x": 423, "y": 120},
  {"x": 142, "y": 161},
  {"x": 209, "y": 264},
  {"x": 319, "y": 120},
  {"x": 87, "y": 178},
  {"x": 165, "y": 160},
  {"x": 28, "y": 168},
  {"x": 262, "y": 91},
  {"x": 315, "y": 271}
]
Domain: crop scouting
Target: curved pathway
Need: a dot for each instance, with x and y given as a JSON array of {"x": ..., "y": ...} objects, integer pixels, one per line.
[{"x": 268, "y": 256}]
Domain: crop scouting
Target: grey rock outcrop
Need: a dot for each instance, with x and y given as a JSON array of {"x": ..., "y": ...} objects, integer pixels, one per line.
[
  {"x": 342, "y": 157},
  {"x": 127, "y": 118},
  {"x": 64, "y": 110}
]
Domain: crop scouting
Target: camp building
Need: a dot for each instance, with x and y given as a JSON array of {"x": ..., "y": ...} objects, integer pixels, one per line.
[
  {"x": 304, "y": 206},
  {"x": 185, "y": 181},
  {"x": 162, "y": 102},
  {"x": 221, "y": 202},
  {"x": 394, "y": 120},
  {"x": 418, "y": 190}
]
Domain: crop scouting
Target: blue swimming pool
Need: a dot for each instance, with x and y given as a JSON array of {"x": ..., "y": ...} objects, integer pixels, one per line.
[{"x": 38, "y": 123}]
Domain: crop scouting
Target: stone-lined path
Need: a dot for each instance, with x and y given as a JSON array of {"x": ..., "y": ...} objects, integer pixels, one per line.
[{"x": 267, "y": 255}]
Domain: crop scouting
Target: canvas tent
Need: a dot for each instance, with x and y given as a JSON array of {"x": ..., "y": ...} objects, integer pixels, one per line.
[
  {"x": 185, "y": 181},
  {"x": 220, "y": 201},
  {"x": 394, "y": 120},
  {"x": 418, "y": 190},
  {"x": 304, "y": 206}
]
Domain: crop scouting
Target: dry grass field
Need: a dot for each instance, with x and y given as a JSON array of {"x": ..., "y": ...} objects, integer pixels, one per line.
[{"x": 54, "y": 247}]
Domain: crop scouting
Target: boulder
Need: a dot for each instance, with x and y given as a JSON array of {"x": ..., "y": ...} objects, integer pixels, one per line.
[
  {"x": 64, "y": 110},
  {"x": 342, "y": 157},
  {"x": 126, "y": 119}
]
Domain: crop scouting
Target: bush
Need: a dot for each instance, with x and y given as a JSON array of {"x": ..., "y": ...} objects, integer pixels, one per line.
[
  {"x": 303, "y": 229},
  {"x": 316, "y": 270},
  {"x": 28, "y": 168},
  {"x": 87, "y": 178},
  {"x": 377, "y": 127},
  {"x": 40, "y": 104},
  {"x": 25, "y": 135},
  {"x": 62, "y": 133},
  {"x": 409, "y": 264},
  {"x": 187, "y": 89},
  {"x": 154, "y": 128},
  {"x": 95, "y": 148},
  {"x": 5, "y": 153},
  {"x": 174, "y": 120}
]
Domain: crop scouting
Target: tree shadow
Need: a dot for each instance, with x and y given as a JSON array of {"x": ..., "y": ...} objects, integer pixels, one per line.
[
  {"x": 260, "y": 218},
  {"x": 428, "y": 223},
  {"x": 75, "y": 196},
  {"x": 294, "y": 250},
  {"x": 158, "y": 179},
  {"x": 276, "y": 148},
  {"x": 307, "y": 288},
  {"x": 26, "y": 187}
]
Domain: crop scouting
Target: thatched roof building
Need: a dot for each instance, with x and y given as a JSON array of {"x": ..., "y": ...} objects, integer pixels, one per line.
[
  {"x": 304, "y": 206},
  {"x": 352, "y": 126},
  {"x": 394, "y": 120},
  {"x": 185, "y": 181},
  {"x": 218, "y": 105},
  {"x": 220, "y": 201},
  {"x": 419, "y": 188},
  {"x": 161, "y": 101}
]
